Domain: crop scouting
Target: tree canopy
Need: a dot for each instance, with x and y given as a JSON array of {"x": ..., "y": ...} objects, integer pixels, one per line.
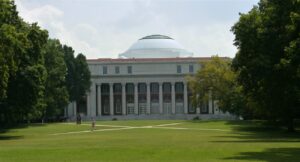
[
  {"x": 268, "y": 58},
  {"x": 216, "y": 80},
  {"x": 56, "y": 94},
  {"x": 34, "y": 70}
]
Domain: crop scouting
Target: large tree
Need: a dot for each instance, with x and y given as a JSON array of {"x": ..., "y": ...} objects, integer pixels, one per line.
[
  {"x": 56, "y": 94},
  {"x": 268, "y": 58},
  {"x": 78, "y": 75},
  {"x": 83, "y": 77},
  {"x": 12, "y": 43},
  {"x": 26, "y": 90},
  {"x": 216, "y": 80},
  {"x": 21, "y": 66},
  {"x": 31, "y": 86}
]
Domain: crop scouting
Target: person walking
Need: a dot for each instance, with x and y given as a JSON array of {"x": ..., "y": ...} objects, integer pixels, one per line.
[
  {"x": 93, "y": 124},
  {"x": 78, "y": 119}
]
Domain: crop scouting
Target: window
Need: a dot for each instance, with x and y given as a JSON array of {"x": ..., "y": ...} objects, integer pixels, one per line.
[
  {"x": 191, "y": 68},
  {"x": 142, "y": 92},
  {"x": 130, "y": 93},
  {"x": 178, "y": 68},
  {"x": 129, "y": 69},
  {"x": 117, "y": 70},
  {"x": 167, "y": 92},
  {"x": 104, "y": 69},
  {"x": 117, "y": 98},
  {"x": 105, "y": 99},
  {"x": 179, "y": 92}
]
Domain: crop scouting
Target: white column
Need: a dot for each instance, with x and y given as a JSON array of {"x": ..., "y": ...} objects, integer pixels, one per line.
[
  {"x": 173, "y": 97},
  {"x": 124, "y": 98},
  {"x": 91, "y": 100},
  {"x": 210, "y": 102},
  {"x": 148, "y": 98},
  {"x": 136, "y": 105},
  {"x": 99, "y": 99},
  {"x": 111, "y": 98},
  {"x": 185, "y": 98},
  {"x": 160, "y": 98},
  {"x": 88, "y": 106}
]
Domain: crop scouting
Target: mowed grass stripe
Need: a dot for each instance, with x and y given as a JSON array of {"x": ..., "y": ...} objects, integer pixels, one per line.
[{"x": 244, "y": 141}]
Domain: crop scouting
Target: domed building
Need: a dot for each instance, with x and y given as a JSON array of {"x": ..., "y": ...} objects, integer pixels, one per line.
[{"x": 148, "y": 81}]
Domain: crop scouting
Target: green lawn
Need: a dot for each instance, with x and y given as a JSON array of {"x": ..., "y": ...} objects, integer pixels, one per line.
[{"x": 145, "y": 141}]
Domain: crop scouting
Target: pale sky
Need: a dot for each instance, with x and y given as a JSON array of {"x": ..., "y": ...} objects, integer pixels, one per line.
[{"x": 106, "y": 28}]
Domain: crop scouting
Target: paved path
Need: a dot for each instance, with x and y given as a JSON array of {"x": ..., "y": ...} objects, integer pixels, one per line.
[{"x": 122, "y": 127}]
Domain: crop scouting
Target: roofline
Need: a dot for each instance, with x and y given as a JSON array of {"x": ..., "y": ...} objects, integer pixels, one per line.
[{"x": 173, "y": 59}]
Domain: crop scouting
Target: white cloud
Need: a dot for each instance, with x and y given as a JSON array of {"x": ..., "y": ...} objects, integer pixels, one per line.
[
  {"x": 114, "y": 31},
  {"x": 51, "y": 18}
]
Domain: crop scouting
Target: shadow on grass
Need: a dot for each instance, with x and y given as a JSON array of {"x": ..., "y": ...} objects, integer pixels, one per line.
[
  {"x": 7, "y": 137},
  {"x": 270, "y": 155},
  {"x": 203, "y": 121},
  {"x": 258, "y": 131},
  {"x": 3, "y": 131}
]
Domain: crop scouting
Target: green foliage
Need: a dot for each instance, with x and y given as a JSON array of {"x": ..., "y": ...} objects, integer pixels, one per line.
[
  {"x": 83, "y": 76},
  {"x": 33, "y": 70},
  {"x": 13, "y": 45},
  {"x": 217, "y": 79},
  {"x": 56, "y": 94},
  {"x": 71, "y": 71},
  {"x": 78, "y": 74},
  {"x": 26, "y": 89},
  {"x": 268, "y": 58}
]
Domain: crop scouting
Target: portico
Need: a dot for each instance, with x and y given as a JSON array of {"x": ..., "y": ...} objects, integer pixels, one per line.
[{"x": 139, "y": 98}]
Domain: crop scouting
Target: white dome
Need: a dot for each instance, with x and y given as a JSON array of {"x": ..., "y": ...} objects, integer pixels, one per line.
[{"x": 155, "y": 46}]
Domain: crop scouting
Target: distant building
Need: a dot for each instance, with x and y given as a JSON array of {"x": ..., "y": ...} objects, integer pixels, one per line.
[{"x": 148, "y": 81}]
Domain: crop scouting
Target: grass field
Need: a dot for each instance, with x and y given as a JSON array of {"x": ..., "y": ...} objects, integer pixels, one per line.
[{"x": 157, "y": 140}]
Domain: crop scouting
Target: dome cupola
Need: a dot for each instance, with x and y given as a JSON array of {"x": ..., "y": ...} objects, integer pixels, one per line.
[{"x": 155, "y": 46}]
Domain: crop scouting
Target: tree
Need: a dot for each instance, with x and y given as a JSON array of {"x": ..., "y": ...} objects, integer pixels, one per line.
[
  {"x": 71, "y": 69},
  {"x": 78, "y": 74},
  {"x": 56, "y": 94},
  {"x": 21, "y": 66},
  {"x": 268, "y": 61},
  {"x": 216, "y": 79},
  {"x": 83, "y": 77},
  {"x": 25, "y": 97},
  {"x": 12, "y": 43},
  {"x": 29, "y": 84}
]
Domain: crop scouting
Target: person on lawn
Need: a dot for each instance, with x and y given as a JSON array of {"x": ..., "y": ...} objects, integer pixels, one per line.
[
  {"x": 78, "y": 119},
  {"x": 93, "y": 124}
]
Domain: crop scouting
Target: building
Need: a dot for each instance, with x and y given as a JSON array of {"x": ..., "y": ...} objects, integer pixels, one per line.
[{"x": 148, "y": 81}]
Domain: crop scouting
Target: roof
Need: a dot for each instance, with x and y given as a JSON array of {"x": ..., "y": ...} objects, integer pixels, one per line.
[
  {"x": 155, "y": 46},
  {"x": 139, "y": 60},
  {"x": 156, "y": 36}
]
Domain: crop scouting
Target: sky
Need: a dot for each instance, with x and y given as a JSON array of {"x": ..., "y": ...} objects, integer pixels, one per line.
[{"x": 106, "y": 28}]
